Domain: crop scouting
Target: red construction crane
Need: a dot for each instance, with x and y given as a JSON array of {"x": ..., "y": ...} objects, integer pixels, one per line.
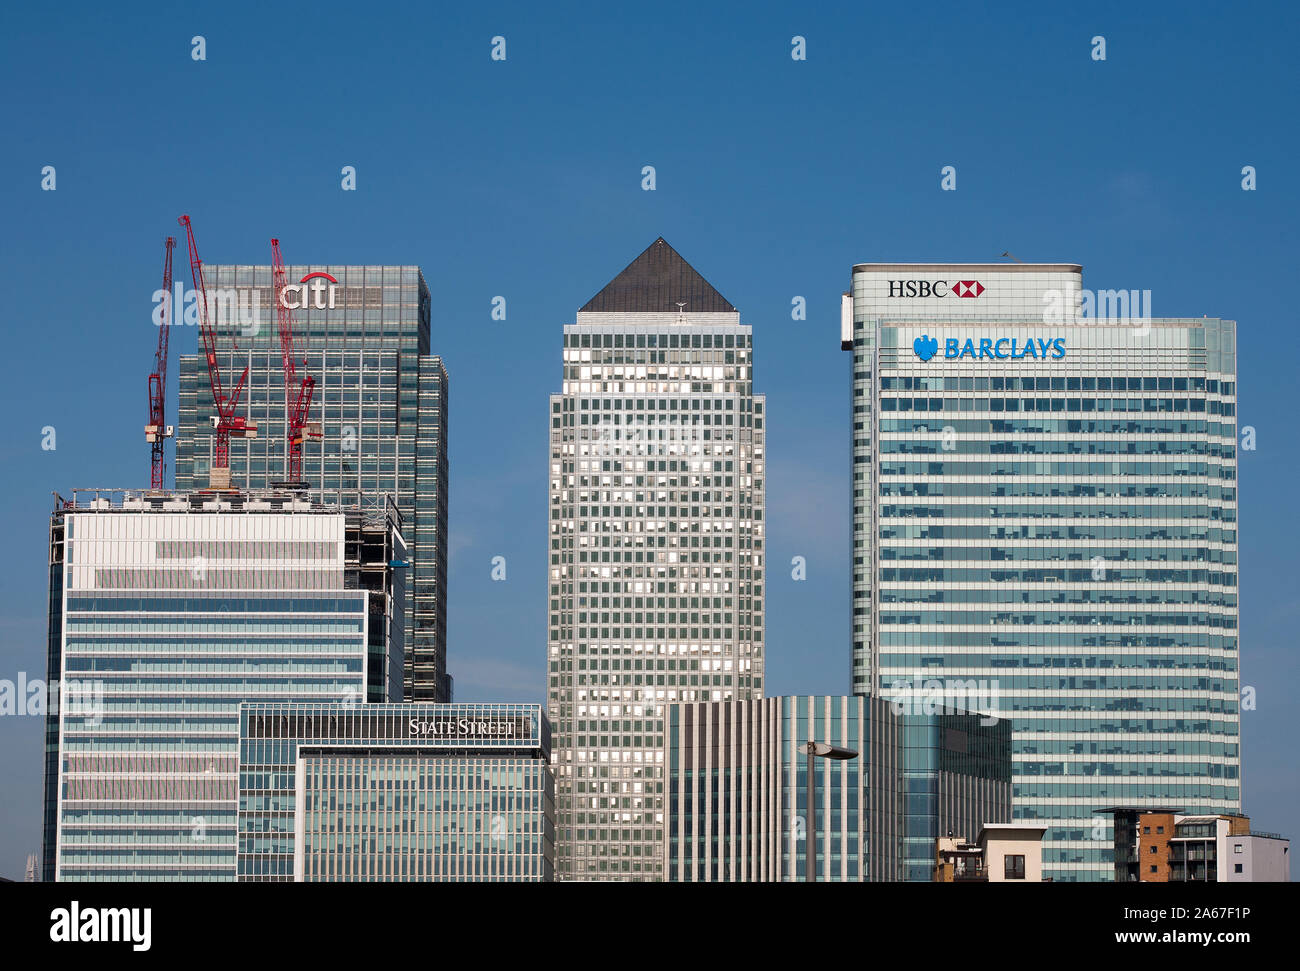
[
  {"x": 157, "y": 431},
  {"x": 226, "y": 422},
  {"x": 297, "y": 400}
]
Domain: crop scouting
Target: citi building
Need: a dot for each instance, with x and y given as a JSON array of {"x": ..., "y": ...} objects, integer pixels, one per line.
[
  {"x": 380, "y": 412},
  {"x": 1045, "y": 498}
]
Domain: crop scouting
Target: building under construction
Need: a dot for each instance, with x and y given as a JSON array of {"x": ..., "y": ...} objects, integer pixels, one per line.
[
  {"x": 320, "y": 377},
  {"x": 166, "y": 611}
]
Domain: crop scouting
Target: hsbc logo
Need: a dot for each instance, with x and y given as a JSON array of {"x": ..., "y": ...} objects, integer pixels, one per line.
[
  {"x": 935, "y": 288},
  {"x": 312, "y": 293}
]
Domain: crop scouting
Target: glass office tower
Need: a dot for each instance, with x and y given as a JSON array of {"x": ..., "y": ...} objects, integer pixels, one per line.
[
  {"x": 362, "y": 332},
  {"x": 1045, "y": 497},
  {"x": 166, "y": 612},
  {"x": 656, "y": 548},
  {"x": 956, "y": 781},
  {"x": 409, "y": 792},
  {"x": 738, "y": 796}
]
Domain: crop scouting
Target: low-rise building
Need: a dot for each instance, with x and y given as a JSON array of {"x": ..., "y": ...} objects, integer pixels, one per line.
[
  {"x": 1003, "y": 853},
  {"x": 1163, "y": 845},
  {"x": 395, "y": 792}
]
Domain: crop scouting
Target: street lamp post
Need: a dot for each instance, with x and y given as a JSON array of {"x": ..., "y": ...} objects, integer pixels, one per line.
[{"x": 818, "y": 750}]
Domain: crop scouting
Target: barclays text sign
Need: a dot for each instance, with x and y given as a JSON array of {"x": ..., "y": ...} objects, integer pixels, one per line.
[{"x": 993, "y": 348}]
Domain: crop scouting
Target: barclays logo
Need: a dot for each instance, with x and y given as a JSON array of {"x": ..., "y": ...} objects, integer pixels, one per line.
[{"x": 925, "y": 347}]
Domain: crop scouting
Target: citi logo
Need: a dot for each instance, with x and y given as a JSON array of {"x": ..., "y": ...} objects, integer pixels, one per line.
[
  {"x": 312, "y": 293},
  {"x": 934, "y": 288}
]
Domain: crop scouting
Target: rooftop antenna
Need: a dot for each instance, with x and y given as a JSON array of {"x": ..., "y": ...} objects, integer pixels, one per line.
[
  {"x": 681, "y": 310},
  {"x": 1008, "y": 253}
]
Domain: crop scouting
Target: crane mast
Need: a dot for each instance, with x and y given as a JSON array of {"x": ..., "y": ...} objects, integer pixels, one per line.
[
  {"x": 226, "y": 422},
  {"x": 297, "y": 400},
  {"x": 158, "y": 431}
]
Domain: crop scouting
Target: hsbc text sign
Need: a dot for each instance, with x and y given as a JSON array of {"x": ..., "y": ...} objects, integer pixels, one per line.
[
  {"x": 315, "y": 291},
  {"x": 935, "y": 288}
]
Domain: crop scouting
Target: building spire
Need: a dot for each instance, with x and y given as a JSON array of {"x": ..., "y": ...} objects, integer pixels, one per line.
[{"x": 655, "y": 282}]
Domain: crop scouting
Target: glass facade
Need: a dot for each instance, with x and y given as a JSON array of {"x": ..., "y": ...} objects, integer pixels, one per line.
[
  {"x": 395, "y": 793},
  {"x": 1061, "y": 527},
  {"x": 656, "y": 548},
  {"x": 738, "y": 788},
  {"x": 380, "y": 401},
  {"x": 956, "y": 779},
  {"x": 167, "y": 619},
  {"x": 841, "y": 789}
]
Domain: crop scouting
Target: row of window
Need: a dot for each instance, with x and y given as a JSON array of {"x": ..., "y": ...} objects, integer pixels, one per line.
[
  {"x": 1152, "y": 531},
  {"x": 574, "y": 339},
  {"x": 1072, "y": 639},
  {"x": 1113, "y": 574},
  {"x": 1058, "y": 426},
  {"x": 965, "y": 446},
  {"x": 1175, "y": 405},
  {"x": 906, "y": 665},
  {"x": 1062, "y": 489},
  {"x": 1054, "y": 510},
  {"x": 1037, "y": 383},
  {"x": 1061, "y": 469},
  {"x": 1102, "y": 559}
]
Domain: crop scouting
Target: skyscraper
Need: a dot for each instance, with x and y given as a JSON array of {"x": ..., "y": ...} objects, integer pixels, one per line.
[
  {"x": 1045, "y": 499},
  {"x": 380, "y": 401},
  {"x": 166, "y": 612},
  {"x": 656, "y": 549}
]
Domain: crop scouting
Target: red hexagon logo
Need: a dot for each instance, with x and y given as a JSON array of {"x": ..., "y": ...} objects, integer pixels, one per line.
[{"x": 968, "y": 288}]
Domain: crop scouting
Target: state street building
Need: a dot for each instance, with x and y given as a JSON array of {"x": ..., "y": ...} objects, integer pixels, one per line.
[
  {"x": 1045, "y": 499},
  {"x": 656, "y": 549},
  {"x": 395, "y": 792}
]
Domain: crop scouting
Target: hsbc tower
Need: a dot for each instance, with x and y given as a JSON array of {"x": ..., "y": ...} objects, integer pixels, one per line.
[{"x": 1044, "y": 514}]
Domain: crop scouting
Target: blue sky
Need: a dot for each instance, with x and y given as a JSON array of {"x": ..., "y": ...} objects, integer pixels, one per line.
[{"x": 522, "y": 178}]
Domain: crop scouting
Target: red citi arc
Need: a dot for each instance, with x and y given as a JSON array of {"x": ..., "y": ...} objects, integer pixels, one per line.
[{"x": 311, "y": 296}]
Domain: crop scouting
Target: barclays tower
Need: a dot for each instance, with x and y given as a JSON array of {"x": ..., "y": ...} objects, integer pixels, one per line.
[{"x": 1045, "y": 506}]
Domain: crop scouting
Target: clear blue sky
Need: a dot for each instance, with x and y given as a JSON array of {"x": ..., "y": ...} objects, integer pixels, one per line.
[{"x": 522, "y": 179}]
